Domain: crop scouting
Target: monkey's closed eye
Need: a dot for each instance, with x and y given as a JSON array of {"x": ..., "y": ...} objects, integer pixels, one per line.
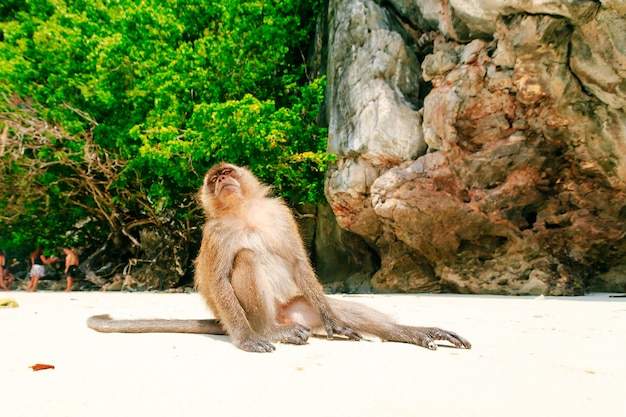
[{"x": 214, "y": 178}]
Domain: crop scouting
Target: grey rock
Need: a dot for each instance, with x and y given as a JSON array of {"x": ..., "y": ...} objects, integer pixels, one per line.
[{"x": 495, "y": 161}]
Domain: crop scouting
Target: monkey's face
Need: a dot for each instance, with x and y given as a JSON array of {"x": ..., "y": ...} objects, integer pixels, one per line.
[
  {"x": 227, "y": 187},
  {"x": 222, "y": 181}
]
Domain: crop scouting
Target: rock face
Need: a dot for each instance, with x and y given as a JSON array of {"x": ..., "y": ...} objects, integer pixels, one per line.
[{"x": 481, "y": 145}]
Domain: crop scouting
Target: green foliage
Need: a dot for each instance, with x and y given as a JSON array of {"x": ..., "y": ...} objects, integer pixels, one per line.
[
  {"x": 283, "y": 146},
  {"x": 132, "y": 101}
]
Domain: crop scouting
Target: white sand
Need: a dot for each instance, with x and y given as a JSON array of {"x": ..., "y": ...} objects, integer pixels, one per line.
[{"x": 530, "y": 357}]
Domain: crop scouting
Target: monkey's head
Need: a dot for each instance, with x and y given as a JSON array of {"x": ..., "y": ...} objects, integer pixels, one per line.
[{"x": 227, "y": 187}]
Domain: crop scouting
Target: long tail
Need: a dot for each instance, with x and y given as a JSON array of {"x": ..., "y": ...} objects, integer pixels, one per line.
[{"x": 104, "y": 323}]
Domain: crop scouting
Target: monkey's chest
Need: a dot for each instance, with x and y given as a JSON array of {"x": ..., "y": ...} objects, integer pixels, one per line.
[{"x": 273, "y": 266}]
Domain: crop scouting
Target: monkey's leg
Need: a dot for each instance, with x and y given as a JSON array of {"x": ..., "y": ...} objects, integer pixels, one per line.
[
  {"x": 368, "y": 320},
  {"x": 258, "y": 299}
]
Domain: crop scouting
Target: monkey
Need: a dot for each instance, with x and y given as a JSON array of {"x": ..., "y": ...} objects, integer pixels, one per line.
[{"x": 256, "y": 277}]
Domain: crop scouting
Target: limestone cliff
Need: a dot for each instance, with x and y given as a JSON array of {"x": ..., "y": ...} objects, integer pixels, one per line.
[{"x": 481, "y": 144}]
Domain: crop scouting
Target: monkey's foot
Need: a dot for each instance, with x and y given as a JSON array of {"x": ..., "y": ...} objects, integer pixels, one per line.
[
  {"x": 430, "y": 334},
  {"x": 294, "y": 333},
  {"x": 254, "y": 343},
  {"x": 333, "y": 327}
]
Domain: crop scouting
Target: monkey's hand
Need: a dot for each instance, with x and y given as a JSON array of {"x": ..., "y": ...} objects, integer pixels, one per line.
[
  {"x": 334, "y": 326},
  {"x": 428, "y": 335},
  {"x": 252, "y": 342}
]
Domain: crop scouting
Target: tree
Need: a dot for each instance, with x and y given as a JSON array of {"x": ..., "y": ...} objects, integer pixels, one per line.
[{"x": 111, "y": 111}]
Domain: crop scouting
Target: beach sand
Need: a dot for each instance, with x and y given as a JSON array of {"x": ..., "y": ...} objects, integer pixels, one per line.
[{"x": 531, "y": 356}]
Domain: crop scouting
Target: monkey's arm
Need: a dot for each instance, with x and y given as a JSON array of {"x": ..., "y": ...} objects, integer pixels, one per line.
[
  {"x": 220, "y": 263},
  {"x": 234, "y": 317},
  {"x": 106, "y": 324},
  {"x": 231, "y": 312}
]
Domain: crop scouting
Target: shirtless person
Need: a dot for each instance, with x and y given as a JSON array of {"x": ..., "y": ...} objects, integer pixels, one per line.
[
  {"x": 71, "y": 267},
  {"x": 6, "y": 278}
]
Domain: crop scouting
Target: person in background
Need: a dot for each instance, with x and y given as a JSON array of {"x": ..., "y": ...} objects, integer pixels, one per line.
[
  {"x": 7, "y": 280},
  {"x": 71, "y": 267},
  {"x": 6, "y": 277},
  {"x": 37, "y": 260}
]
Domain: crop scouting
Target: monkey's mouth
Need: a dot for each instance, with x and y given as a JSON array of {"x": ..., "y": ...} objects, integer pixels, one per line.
[{"x": 228, "y": 188}]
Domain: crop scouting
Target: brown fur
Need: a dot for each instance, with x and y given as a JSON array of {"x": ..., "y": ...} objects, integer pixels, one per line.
[{"x": 254, "y": 273}]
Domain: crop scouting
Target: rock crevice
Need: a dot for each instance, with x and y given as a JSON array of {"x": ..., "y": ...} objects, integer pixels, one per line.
[{"x": 481, "y": 145}]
